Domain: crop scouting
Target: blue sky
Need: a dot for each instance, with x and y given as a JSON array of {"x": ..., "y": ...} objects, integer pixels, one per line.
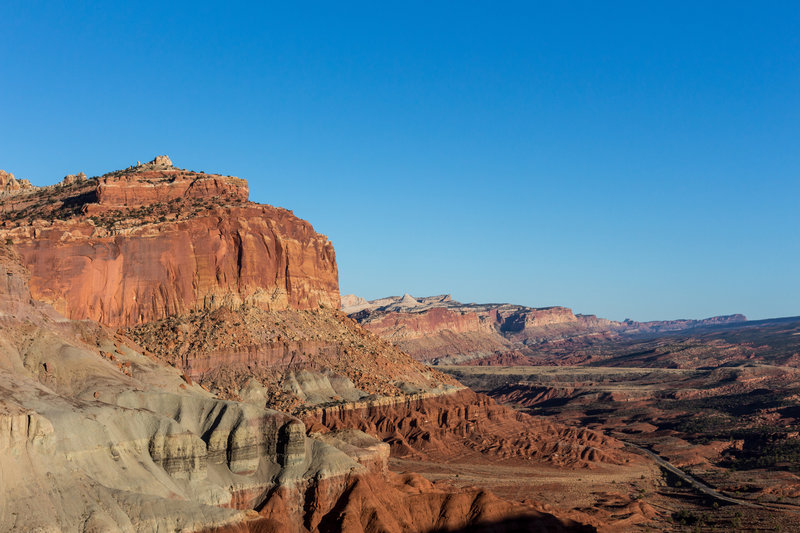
[{"x": 625, "y": 159}]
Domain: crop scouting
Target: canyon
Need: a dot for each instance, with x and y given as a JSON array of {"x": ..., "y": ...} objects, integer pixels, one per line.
[
  {"x": 174, "y": 357},
  {"x": 714, "y": 402}
]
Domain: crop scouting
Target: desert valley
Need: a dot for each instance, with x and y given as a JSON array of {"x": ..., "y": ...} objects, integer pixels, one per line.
[
  {"x": 177, "y": 357},
  {"x": 713, "y": 403}
]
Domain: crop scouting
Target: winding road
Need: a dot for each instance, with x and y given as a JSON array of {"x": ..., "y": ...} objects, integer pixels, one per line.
[{"x": 702, "y": 487}]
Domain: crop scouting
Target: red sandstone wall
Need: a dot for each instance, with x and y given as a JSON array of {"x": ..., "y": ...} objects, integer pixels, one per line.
[{"x": 237, "y": 252}]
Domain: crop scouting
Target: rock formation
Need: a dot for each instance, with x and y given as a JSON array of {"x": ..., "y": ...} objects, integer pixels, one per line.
[
  {"x": 443, "y": 426},
  {"x": 663, "y": 326},
  {"x": 69, "y": 179},
  {"x": 174, "y": 357},
  {"x": 140, "y": 245},
  {"x": 438, "y": 329},
  {"x": 242, "y": 297},
  {"x": 97, "y": 434},
  {"x": 10, "y": 185}
]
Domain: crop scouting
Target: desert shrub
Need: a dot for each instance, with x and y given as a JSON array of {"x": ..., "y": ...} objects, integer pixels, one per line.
[
  {"x": 766, "y": 451},
  {"x": 686, "y": 517}
]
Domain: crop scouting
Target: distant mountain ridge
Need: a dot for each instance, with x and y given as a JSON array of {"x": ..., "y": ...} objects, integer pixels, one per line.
[
  {"x": 174, "y": 358},
  {"x": 439, "y": 329}
]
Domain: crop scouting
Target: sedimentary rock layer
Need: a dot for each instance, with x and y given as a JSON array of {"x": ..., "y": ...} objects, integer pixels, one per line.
[
  {"x": 447, "y": 425},
  {"x": 440, "y": 330},
  {"x": 140, "y": 245}
]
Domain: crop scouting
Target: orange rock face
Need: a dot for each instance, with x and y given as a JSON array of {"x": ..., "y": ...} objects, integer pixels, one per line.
[
  {"x": 153, "y": 186},
  {"x": 440, "y": 333},
  {"x": 519, "y": 320},
  {"x": 11, "y": 185},
  {"x": 137, "y": 246},
  {"x": 450, "y": 332},
  {"x": 392, "y": 503},
  {"x": 415, "y": 325},
  {"x": 445, "y": 426},
  {"x": 440, "y": 330}
]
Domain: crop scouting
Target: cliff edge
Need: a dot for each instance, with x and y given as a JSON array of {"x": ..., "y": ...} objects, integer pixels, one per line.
[{"x": 153, "y": 240}]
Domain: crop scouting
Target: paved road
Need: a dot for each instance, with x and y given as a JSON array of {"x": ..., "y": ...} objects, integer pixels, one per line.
[
  {"x": 702, "y": 487},
  {"x": 691, "y": 481}
]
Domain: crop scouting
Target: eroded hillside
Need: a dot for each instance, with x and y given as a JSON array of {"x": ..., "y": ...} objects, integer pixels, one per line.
[
  {"x": 440, "y": 330},
  {"x": 174, "y": 358}
]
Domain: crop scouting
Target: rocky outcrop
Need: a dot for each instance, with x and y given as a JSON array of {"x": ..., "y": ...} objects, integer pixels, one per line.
[
  {"x": 663, "y": 326},
  {"x": 140, "y": 245},
  {"x": 146, "y": 187},
  {"x": 69, "y": 179},
  {"x": 10, "y": 185},
  {"x": 369, "y": 451},
  {"x": 160, "y": 162},
  {"x": 21, "y": 428},
  {"x": 440, "y": 330},
  {"x": 446, "y": 425},
  {"x": 522, "y": 319}
]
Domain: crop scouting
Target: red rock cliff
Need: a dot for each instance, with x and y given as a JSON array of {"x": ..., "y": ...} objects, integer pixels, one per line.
[
  {"x": 152, "y": 186},
  {"x": 396, "y": 326},
  {"x": 151, "y": 241}
]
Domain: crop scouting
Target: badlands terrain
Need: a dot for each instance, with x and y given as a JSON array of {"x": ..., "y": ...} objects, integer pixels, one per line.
[
  {"x": 176, "y": 357},
  {"x": 714, "y": 403}
]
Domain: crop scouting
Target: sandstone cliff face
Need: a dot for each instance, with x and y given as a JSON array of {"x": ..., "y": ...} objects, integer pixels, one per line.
[
  {"x": 439, "y": 334},
  {"x": 661, "y": 326},
  {"x": 146, "y": 187},
  {"x": 517, "y": 320},
  {"x": 141, "y": 245},
  {"x": 440, "y": 330},
  {"x": 15, "y": 296},
  {"x": 413, "y": 326}
]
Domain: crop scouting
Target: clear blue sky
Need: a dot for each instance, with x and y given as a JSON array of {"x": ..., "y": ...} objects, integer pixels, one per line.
[{"x": 636, "y": 159}]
